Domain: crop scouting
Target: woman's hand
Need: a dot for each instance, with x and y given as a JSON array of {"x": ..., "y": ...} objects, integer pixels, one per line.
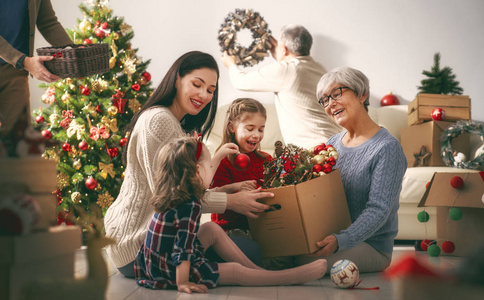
[
  {"x": 246, "y": 202},
  {"x": 247, "y": 185},
  {"x": 328, "y": 245},
  {"x": 228, "y": 60},
  {"x": 35, "y": 66},
  {"x": 223, "y": 151},
  {"x": 189, "y": 287}
]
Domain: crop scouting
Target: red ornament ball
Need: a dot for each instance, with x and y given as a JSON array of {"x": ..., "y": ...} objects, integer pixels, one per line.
[
  {"x": 98, "y": 109},
  {"x": 327, "y": 168},
  {"x": 100, "y": 33},
  {"x": 85, "y": 91},
  {"x": 47, "y": 134},
  {"x": 123, "y": 142},
  {"x": 136, "y": 87},
  {"x": 83, "y": 146},
  {"x": 113, "y": 152},
  {"x": 389, "y": 99},
  {"x": 448, "y": 247},
  {"x": 39, "y": 119},
  {"x": 147, "y": 76},
  {"x": 330, "y": 160},
  {"x": 66, "y": 147},
  {"x": 318, "y": 149},
  {"x": 427, "y": 185},
  {"x": 90, "y": 183},
  {"x": 87, "y": 41},
  {"x": 457, "y": 182},
  {"x": 425, "y": 244},
  {"x": 242, "y": 161},
  {"x": 317, "y": 168},
  {"x": 438, "y": 114},
  {"x": 104, "y": 25}
]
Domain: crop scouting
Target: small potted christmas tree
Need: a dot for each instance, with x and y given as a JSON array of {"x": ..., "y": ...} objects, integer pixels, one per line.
[{"x": 439, "y": 97}]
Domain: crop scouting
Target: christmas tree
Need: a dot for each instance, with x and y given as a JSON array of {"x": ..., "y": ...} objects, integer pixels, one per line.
[
  {"x": 86, "y": 116},
  {"x": 440, "y": 81}
]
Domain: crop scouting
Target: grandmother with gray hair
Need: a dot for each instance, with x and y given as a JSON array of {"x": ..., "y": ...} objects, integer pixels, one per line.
[
  {"x": 372, "y": 165},
  {"x": 292, "y": 79}
]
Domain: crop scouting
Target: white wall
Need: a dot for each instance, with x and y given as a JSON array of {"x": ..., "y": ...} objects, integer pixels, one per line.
[{"x": 390, "y": 41}]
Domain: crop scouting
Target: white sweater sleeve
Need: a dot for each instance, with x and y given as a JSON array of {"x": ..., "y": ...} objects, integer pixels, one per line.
[
  {"x": 214, "y": 202},
  {"x": 270, "y": 78}
]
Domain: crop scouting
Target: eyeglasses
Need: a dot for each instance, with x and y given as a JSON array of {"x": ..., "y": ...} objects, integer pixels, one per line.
[{"x": 335, "y": 95}]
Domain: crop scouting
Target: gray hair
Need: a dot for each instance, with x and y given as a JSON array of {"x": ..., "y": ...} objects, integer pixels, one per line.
[
  {"x": 297, "y": 39},
  {"x": 349, "y": 77}
]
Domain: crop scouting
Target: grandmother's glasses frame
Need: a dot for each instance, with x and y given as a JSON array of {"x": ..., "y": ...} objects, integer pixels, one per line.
[{"x": 335, "y": 95}]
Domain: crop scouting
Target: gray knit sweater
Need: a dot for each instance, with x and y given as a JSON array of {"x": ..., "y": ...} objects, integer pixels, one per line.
[{"x": 372, "y": 176}]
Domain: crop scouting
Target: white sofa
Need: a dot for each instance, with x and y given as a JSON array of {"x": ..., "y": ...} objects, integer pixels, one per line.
[{"x": 393, "y": 118}]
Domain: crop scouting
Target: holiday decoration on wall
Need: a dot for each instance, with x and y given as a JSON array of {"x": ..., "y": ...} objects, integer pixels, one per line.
[
  {"x": 87, "y": 116},
  {"x": 389, "y": 99},
  {"x": 439, "y": 81},
  {"x": 452, "y": 158},
  {"x": 253, "y": 21},
  {"x": 292, "y": 165}
]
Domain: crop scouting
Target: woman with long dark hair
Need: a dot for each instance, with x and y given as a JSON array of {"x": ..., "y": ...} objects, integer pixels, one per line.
[{"x": 184, "y": 102}]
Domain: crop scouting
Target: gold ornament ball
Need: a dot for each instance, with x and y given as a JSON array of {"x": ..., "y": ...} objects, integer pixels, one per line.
[
  {"x": 323, "y": 153},
  {"x": 122, "y": 176},
  {"x": 112, "y": 62},
  {"x": 317, "y": 160},
  {"x": 311, "y": 150},
  {"x": 66, "y": 97},
  {"x": 76, "y": 165},
  {"x": 334, "y": 154},
  {"x": 112, "y": 111},
  {"x": 44, "y": 97},
  {"x": 330, "y": 149},
  {"x": 76, "y": 197},
  {"x": 68, "y": 80},
  {"x": 115, "y": 36},
  {"x": 85, "y": 25},
  {"x": 142, "y": 80}
]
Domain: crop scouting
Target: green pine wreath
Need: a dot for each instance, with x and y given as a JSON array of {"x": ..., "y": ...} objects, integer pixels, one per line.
[
  {"x": 453, "y": 131},
  {"x": 245, "y": 19}
]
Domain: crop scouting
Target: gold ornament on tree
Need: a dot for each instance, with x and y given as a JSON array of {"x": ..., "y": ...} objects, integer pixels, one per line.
[
  {"x": 112, "y": 111},
  {"x": 142, "y": 80},
  {"x": 73, "y": 153},
  {"x": 76, "y": 197},
  {"x": 66, "y": 97},
  {"x": 105, "y": 200},
  {"x": 76, "y": 165},
  {"x": 112, "y": 62},
  {"x": 62, "y": 180},
  {"x": 68, "y": 80},
  {"x": 85, "y": 25},
  {"x": 106, "y": 169},
  {"x": 134, "y": 105},
  {"x": 98, "y": 187},
  {"x": 99, "y": 85},
  {"x": 129, "y": 65}
]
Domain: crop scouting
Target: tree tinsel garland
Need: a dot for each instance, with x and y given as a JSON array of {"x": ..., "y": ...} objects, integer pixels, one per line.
[
  {"x": 453, "y": 131},
  {"x": 245, "y": 19}
]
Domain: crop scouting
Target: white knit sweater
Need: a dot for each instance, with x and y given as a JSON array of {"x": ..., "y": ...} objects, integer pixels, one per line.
[
  {"x": 128, "y": 217},
  {"x": 302, "y": 120}
]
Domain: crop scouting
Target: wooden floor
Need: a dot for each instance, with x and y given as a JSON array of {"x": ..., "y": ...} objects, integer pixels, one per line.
[{"x": 120, "y": 287}]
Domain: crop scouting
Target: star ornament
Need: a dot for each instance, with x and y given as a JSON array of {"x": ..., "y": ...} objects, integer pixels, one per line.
[{"x": 422, "y": 157}]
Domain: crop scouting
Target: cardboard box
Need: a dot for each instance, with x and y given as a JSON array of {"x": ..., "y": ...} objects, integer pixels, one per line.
[
  {"x": 306, "y": 213},
  {"x": 456, "y": 107},
  {"x": 428, "y": 134},
  {"x": 33, "y": 176},
  {"x": 465, "y": 233},
  {"x": 48, "y": 254}
]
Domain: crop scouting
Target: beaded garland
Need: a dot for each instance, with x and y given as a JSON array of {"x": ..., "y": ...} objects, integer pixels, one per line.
[
  {"x": 453, "y": 131},
  {"x": 245, "y": 19}
]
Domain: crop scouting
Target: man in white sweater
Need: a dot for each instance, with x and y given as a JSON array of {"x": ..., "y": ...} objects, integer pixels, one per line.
[{"x": 293, "y": 79}]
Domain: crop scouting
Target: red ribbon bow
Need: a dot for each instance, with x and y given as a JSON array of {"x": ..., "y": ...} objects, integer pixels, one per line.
[{"x": 97, "y": 133}]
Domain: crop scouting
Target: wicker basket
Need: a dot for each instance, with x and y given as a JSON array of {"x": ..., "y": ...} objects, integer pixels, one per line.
[{"x": 77, "y": 60}]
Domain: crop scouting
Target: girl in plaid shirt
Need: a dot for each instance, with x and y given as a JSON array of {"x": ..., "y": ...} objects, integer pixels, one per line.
[{"x": 172, "y": 255}]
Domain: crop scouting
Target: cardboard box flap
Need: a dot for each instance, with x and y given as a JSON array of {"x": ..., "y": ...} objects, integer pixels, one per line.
[
  {"x": 441, "y": 193},
  {"x": 332, "y": 208}
]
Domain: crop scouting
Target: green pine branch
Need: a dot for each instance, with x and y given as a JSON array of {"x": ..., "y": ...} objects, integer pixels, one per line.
[{"x": 439, "y": 81}]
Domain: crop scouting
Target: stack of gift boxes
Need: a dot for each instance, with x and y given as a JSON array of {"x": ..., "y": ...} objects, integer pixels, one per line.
[
  {"x": 31, "y": 251},
  {"x": 421, "y": 142}
]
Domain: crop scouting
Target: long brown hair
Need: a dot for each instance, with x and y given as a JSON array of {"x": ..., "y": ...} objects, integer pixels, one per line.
[
  {"x": 237, "y": 112},
  {"x": 176, "y": 179},
  {"x": 166, "y": 92}
]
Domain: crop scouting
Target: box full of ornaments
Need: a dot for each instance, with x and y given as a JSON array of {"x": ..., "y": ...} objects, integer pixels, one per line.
[
  {"x": 309, "y": 201},
  {"x": 455, "y": 107},
  {"x": 459, "y": 198}
]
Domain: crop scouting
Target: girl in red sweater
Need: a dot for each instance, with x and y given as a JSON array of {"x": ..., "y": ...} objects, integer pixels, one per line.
[{"x": 244, "y": 125}]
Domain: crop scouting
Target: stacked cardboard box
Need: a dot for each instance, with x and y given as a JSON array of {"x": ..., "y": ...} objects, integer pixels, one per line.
[
  {"x": 456, "y": 107},
  {"x": 302, "y": 215}
]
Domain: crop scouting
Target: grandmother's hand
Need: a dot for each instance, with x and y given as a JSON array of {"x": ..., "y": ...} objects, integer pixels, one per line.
[
  {"x": 328, "y": 245},
  {"x": 228, "y": 60}
]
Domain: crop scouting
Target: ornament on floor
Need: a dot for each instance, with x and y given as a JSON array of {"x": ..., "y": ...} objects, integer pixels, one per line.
[
  {"x": 433, "y": 250},
  {"x": 438, "y": 114},
  {"x": 250, "y": 20},
  {"x": 389, "y": 99},
  {"x": 424, "y": 245},
  {"x": 455, "y": 214},
  {"x": 241, "y": 161},
  {"x": 423, "y": 216},
  {"x": 422, "y": 157},
  {"x": 448, "y": 247},
  {"x": 453, "y": 131},
  {"x": 344, "y": 273},
  {"x": 18, "y": 214}
]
